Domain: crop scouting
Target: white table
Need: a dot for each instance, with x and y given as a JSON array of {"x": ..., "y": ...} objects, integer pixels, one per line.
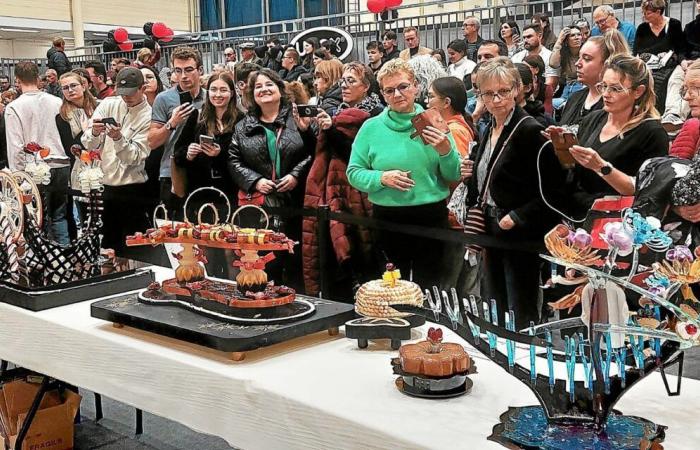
[{"x": 313, "y": 392}]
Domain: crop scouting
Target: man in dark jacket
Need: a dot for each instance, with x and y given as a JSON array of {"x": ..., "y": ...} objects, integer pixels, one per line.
[
  {"x": 291, "y": 67},
  {"x": 58, "y": 60}
]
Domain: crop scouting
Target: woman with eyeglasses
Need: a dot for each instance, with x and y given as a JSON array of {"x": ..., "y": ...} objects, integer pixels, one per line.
[
  {"x": 510, "y": 35},
  {"x": 564, "y": 56},
  {"x": 589, "y": 71},
  {"x": 72, "y": 121},
  {"x": 406, "y": 179},
  {"x": 614, "y": 141},
  {"x": 668, "y": 188},
  {"x": 328, "y": 184},
  {"x": 326, "y": 82},
  {"x": 507, "y": 175}
]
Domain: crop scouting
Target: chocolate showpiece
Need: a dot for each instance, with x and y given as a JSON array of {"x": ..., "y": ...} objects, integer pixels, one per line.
[{"x": 618, "y": 349}]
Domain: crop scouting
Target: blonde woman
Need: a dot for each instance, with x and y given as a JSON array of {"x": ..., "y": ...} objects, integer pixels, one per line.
[
  {"x": 617, "y": 139},
  {"x": 72, "y": 121},
  {"x": 327, "y": 76},
  {"x": 407, "y": 180}
]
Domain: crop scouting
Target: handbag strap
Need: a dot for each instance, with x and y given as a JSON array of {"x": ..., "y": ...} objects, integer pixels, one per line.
[{"x": 482, "y": 200}]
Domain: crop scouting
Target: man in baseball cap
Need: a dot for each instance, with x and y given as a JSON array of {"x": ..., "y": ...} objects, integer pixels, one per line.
[
  {"x": 248, "y": 53},
  {"x": 119, "y": 126}
]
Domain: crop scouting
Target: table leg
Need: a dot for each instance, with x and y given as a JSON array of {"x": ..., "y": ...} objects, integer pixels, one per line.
[
  {"x": 98, "y": 407},
  {"x": 3, "y": 368},
  {"x": 139, "y": 422},
  {"x": 32, "y": 413},
  {"x": 238, "y": 356}
]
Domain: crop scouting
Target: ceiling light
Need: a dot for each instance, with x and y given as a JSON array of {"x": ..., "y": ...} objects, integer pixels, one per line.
[{"x": 19, "y": 30}]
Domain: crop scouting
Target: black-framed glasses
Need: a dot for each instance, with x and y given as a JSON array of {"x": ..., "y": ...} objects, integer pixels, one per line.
[
  {"x": 600, "y": 22},
  {"x": 70, "y": 87},
  {"x": 401, "y": 88},
  {"x": 491, "y": 96},
  {"x": 348, "y": 81}
]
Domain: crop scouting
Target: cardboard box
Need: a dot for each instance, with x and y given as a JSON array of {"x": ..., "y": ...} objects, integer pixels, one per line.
[{"x": 52, "y": 428}]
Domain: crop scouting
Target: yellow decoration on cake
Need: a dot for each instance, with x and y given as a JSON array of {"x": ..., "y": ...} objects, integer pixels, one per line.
[{"x": 391, "y": 276}]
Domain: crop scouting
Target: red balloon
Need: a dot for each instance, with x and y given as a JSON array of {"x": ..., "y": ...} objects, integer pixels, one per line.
[
  {"x": 168, "y": 35},
  {"x": 159, "y": 30},
  {"x": 121, "y": 35},
  {"x": 376, "y": 6},
  {"x": 393, "y": 3},
  {"x": 126, "y": 46}
]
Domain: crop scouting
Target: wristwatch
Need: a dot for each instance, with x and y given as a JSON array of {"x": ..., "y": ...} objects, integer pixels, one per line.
[
  {"x": 168, "y": 126},
  {"x": 606, "y": 169}
]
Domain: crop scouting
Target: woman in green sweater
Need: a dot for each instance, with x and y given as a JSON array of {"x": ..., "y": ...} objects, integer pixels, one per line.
[{"x": 405, "y": 179}]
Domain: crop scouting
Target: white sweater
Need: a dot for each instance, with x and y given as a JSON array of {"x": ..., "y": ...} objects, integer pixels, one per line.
[
  {"x": 32, "y": 118},
  {"x": 123, "y": 161}
]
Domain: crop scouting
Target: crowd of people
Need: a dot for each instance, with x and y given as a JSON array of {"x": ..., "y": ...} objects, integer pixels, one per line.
[{"x": 287, "y": 127}]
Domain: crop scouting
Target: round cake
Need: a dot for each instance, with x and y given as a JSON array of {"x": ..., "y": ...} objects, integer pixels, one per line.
[
  {"x": 416, "y": 359},
  {"x": 376, "y": 298}
]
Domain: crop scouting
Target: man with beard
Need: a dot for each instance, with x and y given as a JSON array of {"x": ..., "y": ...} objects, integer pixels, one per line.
[{"x": 532, "y": 40}]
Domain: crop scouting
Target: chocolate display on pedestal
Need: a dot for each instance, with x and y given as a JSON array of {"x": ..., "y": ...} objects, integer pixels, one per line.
[
  {"x": 433, "y": 369},
  {"x": 232, "y": 316},
  {"x": 252, "y": 298},
  {"x": 37, "y": 273},
  {"x": 618, "y": 350},
  {"x": 375, "y": 301}
]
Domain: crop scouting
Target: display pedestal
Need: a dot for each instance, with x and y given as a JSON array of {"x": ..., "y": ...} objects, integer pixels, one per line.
[
  {"x": 527, "y": 428},
  {"x": 236, "y": 339},
  {"x": 46, "y": 297},
  {"x": 396, "y": 329}
]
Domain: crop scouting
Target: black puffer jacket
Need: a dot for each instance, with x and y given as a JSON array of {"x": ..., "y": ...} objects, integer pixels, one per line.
[
  {"x": 58, "y": 61},
  {"x": 249, "y": 160},
  {"x": 331, "y": 99},
  {"x": 292, "y": 74}
]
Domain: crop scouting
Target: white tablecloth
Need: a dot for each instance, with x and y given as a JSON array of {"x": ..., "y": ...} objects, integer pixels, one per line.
[{"x": 313, "y": 392}]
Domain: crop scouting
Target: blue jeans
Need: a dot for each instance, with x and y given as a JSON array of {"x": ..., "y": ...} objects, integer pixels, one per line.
[
  {"x": 55, "y": 197},
  {"x": 570, "y": 88}
]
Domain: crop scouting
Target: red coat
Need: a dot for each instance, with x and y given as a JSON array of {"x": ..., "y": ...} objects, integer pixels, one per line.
[{"x": 327, "y": 184}]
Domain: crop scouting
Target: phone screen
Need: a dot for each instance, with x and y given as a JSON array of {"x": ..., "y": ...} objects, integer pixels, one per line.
[
  {"x": 185, "y": 97},
  {"x": 204, "y": 139}
]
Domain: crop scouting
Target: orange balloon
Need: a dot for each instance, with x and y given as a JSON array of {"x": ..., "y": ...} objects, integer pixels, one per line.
[
  {"x": 85, "y": 157},
  {"x": 44, "y": 152}
]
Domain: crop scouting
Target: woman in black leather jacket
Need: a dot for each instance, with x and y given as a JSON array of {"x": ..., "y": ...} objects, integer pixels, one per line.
[{"x": 270, "y": 153}]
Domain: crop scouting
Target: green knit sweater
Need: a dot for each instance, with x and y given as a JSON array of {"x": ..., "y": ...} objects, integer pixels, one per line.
[{"x": 384, "y": 143}]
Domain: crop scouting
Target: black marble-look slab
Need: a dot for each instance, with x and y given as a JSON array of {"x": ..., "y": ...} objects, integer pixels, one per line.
[
  {"x": 179, "y": 323},
  {"x": 41, "y": 298}
]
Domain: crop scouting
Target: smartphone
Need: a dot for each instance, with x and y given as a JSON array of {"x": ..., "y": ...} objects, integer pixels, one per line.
[
  {"x": 308, "y": 110},
  {"x": 109, "y": 121},
  {"x": 185, "y": 97},
  {"x": 204, "y": 139}
]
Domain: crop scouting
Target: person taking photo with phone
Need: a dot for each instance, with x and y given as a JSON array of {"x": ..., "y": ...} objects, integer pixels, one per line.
[
  {"x": 170, "y": 111},
  {"x": 119, "y": 129},
  {"x": 202, "y": 146}
]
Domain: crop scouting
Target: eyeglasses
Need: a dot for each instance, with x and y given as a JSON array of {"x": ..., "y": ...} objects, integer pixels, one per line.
[
  {"x": 348, "y": 81},
  {"x": 401, "y": 88},
  {"x": 600, "y": 22},
  {"x": 615, "y": 89},
  {"x": 694, "y": 91},
  {"x": 491, "y": 96},
  {"x": 180, "y": 71},
  {"x": 70, "y": 87},
  {"x": 287, "y": 57}
]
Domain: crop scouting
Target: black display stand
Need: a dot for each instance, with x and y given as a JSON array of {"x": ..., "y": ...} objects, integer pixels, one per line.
[
  {"x": 47, "y": 297},
  {"x": 189, "y": 326},
  {"x": 394, "y": 328}
]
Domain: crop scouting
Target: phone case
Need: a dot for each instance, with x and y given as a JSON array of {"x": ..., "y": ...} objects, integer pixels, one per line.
[{"x": 429, "y": 117}]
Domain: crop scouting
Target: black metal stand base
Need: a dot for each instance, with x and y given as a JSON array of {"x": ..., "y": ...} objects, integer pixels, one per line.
[{"x": 396, "y": 329}]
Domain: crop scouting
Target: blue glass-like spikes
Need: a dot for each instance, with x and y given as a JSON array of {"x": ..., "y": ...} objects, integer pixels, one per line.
[
  {"x": 533, "y": 366},
  {"x": 510, "y": 345},
  {"x": 587, "y": 366},
  {"x": 435, "y": 304},
  {"x": 452, "y": 312},
  {"x": 550, "y": 359},
  {"x": 570, "y": 348},
  {"x": 621, "y": 358}
]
